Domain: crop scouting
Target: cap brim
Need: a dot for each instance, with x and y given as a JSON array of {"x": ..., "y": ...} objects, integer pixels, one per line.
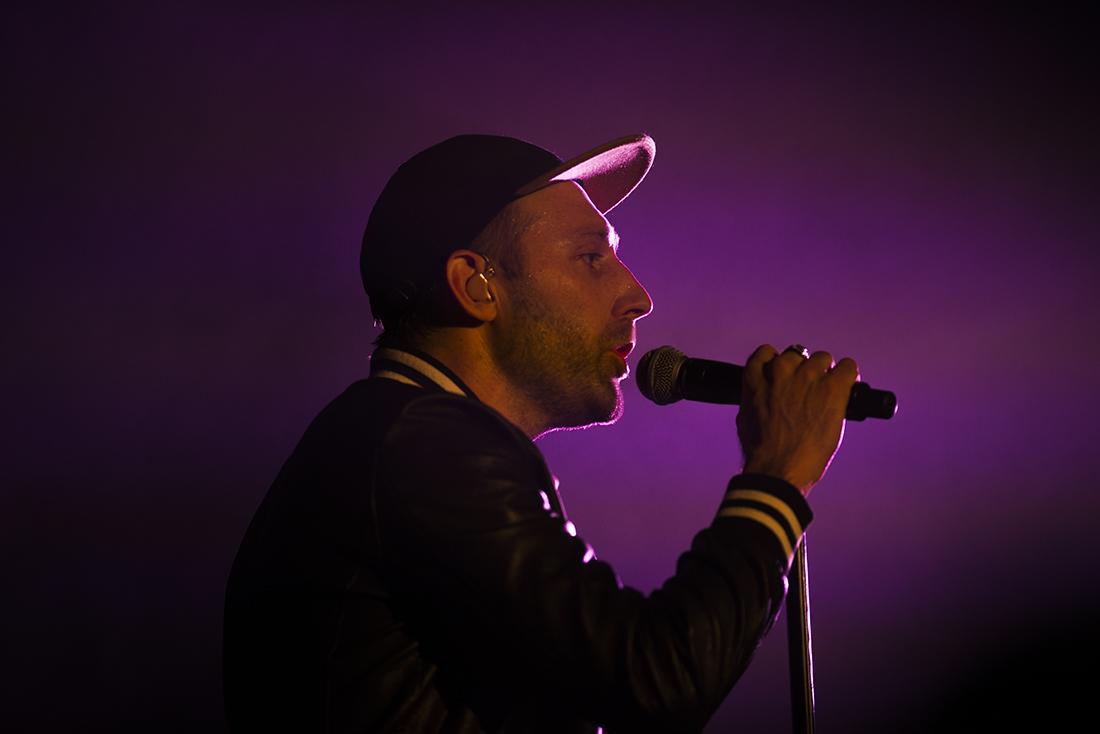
[{"x": 608, "y": 173}]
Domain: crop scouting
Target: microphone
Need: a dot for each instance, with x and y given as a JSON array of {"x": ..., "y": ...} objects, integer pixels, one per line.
[{"x": 665, "y": 375}]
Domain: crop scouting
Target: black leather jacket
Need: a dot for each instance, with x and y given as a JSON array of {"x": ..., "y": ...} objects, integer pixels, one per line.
[{"x": 411, "y": 570}]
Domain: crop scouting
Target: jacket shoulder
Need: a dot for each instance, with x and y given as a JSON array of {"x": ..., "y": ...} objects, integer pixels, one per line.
[{"x": 453, "y": 459}]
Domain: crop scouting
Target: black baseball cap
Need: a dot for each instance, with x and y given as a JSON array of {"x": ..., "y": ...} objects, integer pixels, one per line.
[{"x": 439, "y": 200}]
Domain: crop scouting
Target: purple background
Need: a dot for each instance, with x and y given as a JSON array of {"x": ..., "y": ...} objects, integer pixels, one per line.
[{"x": 187, "y": 188}]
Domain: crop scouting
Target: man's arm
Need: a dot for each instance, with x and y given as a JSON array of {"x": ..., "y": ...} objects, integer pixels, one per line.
[{"x": 506, "y": 598}]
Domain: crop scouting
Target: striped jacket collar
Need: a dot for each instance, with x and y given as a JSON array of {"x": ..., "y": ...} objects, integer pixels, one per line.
[{"x": 416, "y": 368}]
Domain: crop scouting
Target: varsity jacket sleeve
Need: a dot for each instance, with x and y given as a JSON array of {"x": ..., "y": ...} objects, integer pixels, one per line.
[{"x": 506, "y": 598}]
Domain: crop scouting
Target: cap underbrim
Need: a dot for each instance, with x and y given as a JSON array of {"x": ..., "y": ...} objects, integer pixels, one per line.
[{"x": 608, "y": 173}]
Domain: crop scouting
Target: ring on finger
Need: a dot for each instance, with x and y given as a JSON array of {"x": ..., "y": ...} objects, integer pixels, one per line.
[{"x": 799, "y": 349}]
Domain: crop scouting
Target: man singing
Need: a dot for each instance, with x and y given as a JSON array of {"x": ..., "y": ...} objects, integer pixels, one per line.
[{"x": 411, "y": 568}]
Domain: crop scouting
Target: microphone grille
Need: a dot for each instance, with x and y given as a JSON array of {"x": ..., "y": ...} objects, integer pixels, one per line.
[{"x": 658, "y": 372}]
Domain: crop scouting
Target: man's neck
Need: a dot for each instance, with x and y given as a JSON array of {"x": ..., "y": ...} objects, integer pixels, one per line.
[{"x": 465, "y": 353}]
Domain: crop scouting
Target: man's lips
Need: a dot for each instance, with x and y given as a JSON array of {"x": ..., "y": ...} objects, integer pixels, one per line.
[{"x": 622, "y": 352}]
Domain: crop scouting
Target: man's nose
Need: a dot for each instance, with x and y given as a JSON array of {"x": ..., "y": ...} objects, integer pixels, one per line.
[{"x": 635, "y": 301}]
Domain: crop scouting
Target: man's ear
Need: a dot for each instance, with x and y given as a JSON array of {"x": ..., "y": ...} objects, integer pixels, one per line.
[{"x": 469, "y": 284}]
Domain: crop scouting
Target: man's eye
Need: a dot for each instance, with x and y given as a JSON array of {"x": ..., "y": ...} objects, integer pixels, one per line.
[{"x": 592, "y": 257}]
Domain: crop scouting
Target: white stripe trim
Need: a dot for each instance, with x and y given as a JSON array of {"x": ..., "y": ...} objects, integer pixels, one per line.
[
  {"x": 387, "y": 375},
  {"x": 416, "y": 363},
  {"x": 755, "y": 495},
  {"x": 764, "y": 519}
]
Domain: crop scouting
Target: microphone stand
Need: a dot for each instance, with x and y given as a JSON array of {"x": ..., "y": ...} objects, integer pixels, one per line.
[{"x": 799, "y": 647}]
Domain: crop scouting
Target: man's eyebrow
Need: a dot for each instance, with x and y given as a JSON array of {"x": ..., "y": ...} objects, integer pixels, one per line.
[{"x": 608, "y": 233}]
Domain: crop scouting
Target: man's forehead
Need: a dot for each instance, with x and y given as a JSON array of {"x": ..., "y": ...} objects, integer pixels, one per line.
[{"x": 565, "y": 206}]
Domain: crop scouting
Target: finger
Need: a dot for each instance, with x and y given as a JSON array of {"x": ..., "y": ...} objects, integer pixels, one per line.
[
  {"x": 785, "y": 364},
  {"x": 819, "y": 362},
  {"x": 763, "y": 353},
  {"x": 846, "y": 370},
  {"x": 754, "y": 367}
]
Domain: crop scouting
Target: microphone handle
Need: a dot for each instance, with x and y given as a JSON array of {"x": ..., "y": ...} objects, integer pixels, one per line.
[{"x": 708, "y": 381}]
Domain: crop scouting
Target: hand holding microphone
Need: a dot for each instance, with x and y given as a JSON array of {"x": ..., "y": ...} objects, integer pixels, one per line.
[
  {"x": 666, "y": 375},
  {"x": 793, "y": 407}
]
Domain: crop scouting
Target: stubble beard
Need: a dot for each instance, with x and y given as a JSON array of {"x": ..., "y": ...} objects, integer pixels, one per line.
[{"x": 548, "y": 357}]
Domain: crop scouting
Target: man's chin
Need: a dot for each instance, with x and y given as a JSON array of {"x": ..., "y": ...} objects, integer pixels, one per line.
[
  {"x": 607, "y": 406},
  {"x": 616, "y": 413},
  {"x": 604, "y": 413},
  {"x": 617, "y": 409},
  {"x": 611, "y": 411}
]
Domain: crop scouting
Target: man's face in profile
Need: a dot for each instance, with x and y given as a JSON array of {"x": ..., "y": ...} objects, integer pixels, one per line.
[{"x": 567, "y": 323}]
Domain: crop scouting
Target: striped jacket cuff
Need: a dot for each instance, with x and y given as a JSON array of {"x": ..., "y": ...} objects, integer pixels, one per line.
[{"x": 772, "y": 503}]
